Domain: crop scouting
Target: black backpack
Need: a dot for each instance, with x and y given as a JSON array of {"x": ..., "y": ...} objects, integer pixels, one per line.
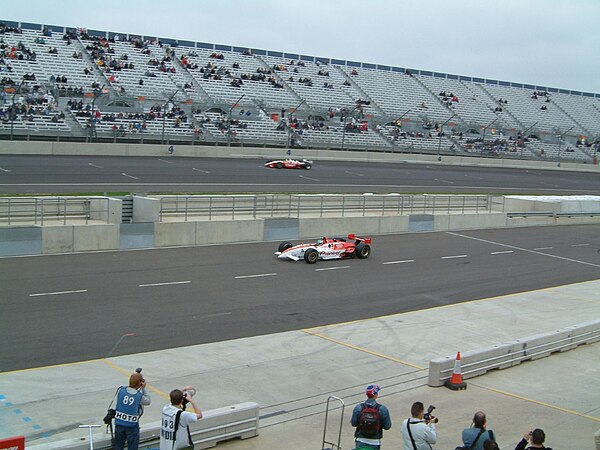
[{"x": 369, "y": 421}]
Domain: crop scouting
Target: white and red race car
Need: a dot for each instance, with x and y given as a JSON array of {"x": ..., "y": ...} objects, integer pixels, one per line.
[
  {"x": 326, "y": 248},
  {"x": 290, "y": 164}
]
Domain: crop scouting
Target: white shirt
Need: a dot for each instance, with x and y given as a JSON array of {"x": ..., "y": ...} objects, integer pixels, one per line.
[
  {"x": 423, "y": 434},
  {"x": 167, "y": 428}
]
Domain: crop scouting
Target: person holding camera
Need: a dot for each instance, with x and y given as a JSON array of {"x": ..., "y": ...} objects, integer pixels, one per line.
[
  {"x": 128, "y": 410},
  {"x": 474, "y": 437},
  {"x": 174, "y": 428},
  {"x": 418, "y": 432},
  {"x": 537, "y": 438},
  {"x": 370, "y": 419}
]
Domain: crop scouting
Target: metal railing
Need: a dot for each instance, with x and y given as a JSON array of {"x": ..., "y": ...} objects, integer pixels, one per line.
[
  {"x": 52, "y": 210},
  {"x": 220, "y": 207}
]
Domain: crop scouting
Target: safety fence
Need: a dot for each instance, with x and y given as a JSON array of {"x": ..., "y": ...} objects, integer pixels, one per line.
[
  {"x": 219, "y": 207},
  {"x": 53, "y": 210}
]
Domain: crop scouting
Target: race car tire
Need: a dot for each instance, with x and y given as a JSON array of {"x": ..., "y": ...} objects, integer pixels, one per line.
[
  {"x": 307, "y": 166},
  {"x": 311, "y": 256},
  {"x": 279, "y": 165},
  {"x": 363, "y": 251},
  {"x": 284, "y": 246}
]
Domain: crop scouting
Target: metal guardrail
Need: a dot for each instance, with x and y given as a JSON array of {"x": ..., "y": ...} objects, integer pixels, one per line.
[
  {"x": 299, "y": 205},
  {"x": 553, "y": 214},
  {"x": 58, "y": 210}
]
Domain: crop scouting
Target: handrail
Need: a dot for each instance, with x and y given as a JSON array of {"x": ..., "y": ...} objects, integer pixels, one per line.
[
  {"x": 219, "y": 207},
  {"x": 60, "y": 210}
]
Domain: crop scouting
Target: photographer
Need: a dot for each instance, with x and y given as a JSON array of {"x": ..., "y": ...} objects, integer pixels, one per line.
[
  {"x": 418, "y": 432},
  {"x": 537, "y": 438},
  {"x": 128, "y": 410},
  {"x": 174, "y": 428}
]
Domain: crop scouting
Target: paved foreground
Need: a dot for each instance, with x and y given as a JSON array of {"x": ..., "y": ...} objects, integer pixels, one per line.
[{"x": 291, "y": 375}]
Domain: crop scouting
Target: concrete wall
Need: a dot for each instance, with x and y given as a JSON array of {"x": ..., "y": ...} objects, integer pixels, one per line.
[
  {"x": 96, "y": 149},
  {"x": 100, "y": 205},
  {"x": 146, "y": 209}
]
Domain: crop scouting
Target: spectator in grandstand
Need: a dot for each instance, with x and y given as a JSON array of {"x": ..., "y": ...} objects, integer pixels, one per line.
[
  {"x": 129, "y": 407},
  {"x": 175, "y": 433},
  {"x": 475, "y": 436},
  {"x": 370, "y": 419},
  {"x": 537, "y": 438},
  {"x": 417, "y": 432}
]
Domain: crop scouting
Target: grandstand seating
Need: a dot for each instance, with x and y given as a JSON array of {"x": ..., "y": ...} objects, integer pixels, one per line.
[{"x": 274, "y": 98}]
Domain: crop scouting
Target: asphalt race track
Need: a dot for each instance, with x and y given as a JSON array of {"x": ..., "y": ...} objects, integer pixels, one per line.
[
  {"x": 68, "y": 174},
  {"x": 75, "y": 307}
]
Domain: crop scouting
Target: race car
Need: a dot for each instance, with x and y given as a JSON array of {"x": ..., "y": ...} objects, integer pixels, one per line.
[
  {"x": 290, "y": 164},
  {"x": 326, "y": 248}
]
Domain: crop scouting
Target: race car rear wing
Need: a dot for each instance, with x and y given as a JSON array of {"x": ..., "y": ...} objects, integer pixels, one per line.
[{"x": 353, "y": 237}]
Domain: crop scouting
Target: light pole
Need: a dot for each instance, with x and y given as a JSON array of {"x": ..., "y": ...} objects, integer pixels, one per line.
[
  {"x": 559, "y": 139},
  {"x": 229, "y": 121},
  {"x": 97, "y": 92},
  {"x": 13, "y": 114},
  {"x": 486, "y": 127},
  {"x": 524, "y": 134},
  {"x": 440, "y": 136},
  {"x": 162, "y": 139},
  {"x": 289, "y": 128}
]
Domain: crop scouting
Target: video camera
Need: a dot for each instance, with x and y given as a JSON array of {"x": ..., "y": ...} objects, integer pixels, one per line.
[{"x": 428, "y": 417}]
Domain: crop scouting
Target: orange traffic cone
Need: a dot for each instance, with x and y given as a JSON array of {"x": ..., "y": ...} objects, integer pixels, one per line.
[{"x": 456, "y": 382}]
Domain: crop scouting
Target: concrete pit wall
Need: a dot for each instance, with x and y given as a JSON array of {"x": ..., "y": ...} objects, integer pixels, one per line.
[{"x": 105, "y": 149}]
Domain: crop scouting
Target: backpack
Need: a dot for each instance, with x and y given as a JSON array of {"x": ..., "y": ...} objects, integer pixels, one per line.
[{"x": 369, "y": 421}]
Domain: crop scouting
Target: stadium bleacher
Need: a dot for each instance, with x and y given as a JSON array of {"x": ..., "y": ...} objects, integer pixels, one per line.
[{"x": 225, "y": 94}]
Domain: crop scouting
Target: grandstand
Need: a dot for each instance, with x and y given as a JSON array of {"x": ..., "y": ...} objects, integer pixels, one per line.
[{"x": 62, "y": 83}]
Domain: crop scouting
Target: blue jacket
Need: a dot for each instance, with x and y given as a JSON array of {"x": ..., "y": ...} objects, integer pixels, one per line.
[
  {"x": 470, "y": 434},
  {"x": 385, "y": 420}
]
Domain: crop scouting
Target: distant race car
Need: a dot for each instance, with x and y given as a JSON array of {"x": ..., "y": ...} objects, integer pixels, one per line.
[
  {"x": 326, "y": 248},
  {"x": 290, "y": 164}
]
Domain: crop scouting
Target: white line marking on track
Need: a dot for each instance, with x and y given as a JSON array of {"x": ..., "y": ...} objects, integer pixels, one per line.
[
  {"x": 524, "y": 249},
  {"x": 165, "y": 283},
  {"x": 129, "y": 176},
  {"x": 355, "y": 173},
  {"x": 165, "y": 161},
  {"x": 399, "y": 262},
  {"x": 332, "y": 268},
  {"x": 308, "y": 178},
  {"x": 580, "y": 245},
  {"x": 444, "y": 181},
  {"x": 4, "y": 170},
  {"x": 95, "y": 165},
  {"x": 502, "y": 253},
  {"x": 200, "y": 170},
  {"x": 58, "y": 293},
  {"x": 454, "y": 256},
  {"x": 256, "y": 276},
  {"x": 543, "y": 248}
]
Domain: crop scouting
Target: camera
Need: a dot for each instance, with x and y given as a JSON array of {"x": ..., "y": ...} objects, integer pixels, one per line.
[
  {"x": 188, "y": 393},
  {"x": 428, "y": 417}
]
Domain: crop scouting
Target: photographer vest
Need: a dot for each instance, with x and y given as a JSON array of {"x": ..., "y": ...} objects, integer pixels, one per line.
[{"x": 128, "y": 408}]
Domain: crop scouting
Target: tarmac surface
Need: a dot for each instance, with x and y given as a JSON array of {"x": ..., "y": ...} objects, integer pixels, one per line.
[
  {"x": 291, "y": 375},
  {"x": 59, "y": 174}
]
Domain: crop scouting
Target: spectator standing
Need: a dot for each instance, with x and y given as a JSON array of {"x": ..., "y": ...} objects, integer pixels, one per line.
[
  {"x": 537, "y": 438},
  {"x": 370, "y": 419},
  {"x": 474, "y": 437},
  {"x": 174, "y": 430},
  {"x": 128, "y": 410},
  {"x": 418, "y": 433}
]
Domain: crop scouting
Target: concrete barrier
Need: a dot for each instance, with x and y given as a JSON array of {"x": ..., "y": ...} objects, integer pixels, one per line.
[
  {"x": 217, "y": 425},
  {"x": 480, "y": 361},
  {"x": 106, "y": 149}
]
